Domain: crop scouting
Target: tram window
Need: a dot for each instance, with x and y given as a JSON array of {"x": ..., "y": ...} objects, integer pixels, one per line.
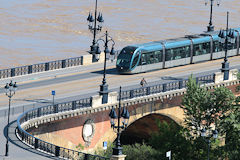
[
  {"x": 201, "y": 49},
  {"x": 230, "y": 46},
  {"x": 176, "y": 53},
  {"x": 235, "y": 44},
  {"x": 184, "y": 52},
  {"x": 157, "y": 56},
  {"x": 134, "y": 61},
  {"x": 169, "y": 54},
  {"x": 187, "y": 51},
  {"x": 151, "y": 58},
  {"x": 221, "y": 46},
  {"x": 124, "y": 59},
  {"x": 197, "y": 49},
  {"x": 181, "y": 52},
  {"x": 206, "y": 48},
  {"x": 147, "y": 58},
  {"x": 143, "y": 59},
  {"x": 217, "y": 46}
]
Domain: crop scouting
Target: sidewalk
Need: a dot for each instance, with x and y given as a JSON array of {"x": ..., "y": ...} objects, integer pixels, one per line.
[
  {"x": 56, "y": 73},
  {"x": 17, "y": 149}
]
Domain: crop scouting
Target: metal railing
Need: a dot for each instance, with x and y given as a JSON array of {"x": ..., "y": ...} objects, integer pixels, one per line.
[
  {"x": 52, "y": 149},
  {"x": 41, "y": 67},
  {"x": 84, "y": 103},
  {"x": 148, "y": 90}
]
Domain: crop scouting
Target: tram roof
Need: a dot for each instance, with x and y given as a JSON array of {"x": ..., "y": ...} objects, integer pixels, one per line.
[{"x": 181, "y": 41}]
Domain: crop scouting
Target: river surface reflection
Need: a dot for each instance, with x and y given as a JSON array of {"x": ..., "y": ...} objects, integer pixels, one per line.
[{"x": 34, "y": 31}]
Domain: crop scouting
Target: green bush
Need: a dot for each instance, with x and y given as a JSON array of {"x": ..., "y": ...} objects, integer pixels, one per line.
[{"x": 140, "y": 152}]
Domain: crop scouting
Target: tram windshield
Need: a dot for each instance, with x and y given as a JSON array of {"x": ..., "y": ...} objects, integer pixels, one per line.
[{"x": 124, "y": 58}]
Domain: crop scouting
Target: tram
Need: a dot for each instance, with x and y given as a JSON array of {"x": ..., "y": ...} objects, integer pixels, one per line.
[{"x": 175, "y": 52}]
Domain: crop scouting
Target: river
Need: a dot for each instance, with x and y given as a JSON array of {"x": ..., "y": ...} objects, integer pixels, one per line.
[{"x": 34, "y": 31}]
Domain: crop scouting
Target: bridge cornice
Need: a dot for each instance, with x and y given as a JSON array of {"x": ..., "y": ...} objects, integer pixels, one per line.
[{"x": 129, "y": 102}]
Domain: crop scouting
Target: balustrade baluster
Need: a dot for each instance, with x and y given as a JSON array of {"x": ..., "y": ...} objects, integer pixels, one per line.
[
  {"x": 164, "y": 87},
  {"x": 148, "y": 90},
  {"x": 55, "y": 108},
  {"x": 36, "y": 143},
  {"x": 131, "y": 93}
]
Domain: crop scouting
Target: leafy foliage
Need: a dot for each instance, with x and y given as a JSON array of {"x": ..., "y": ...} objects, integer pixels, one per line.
[
  {"x": 210, "y": 110},
  {"x": 107, "y": 152},
  {"x": 238, "y": 87},
  {"x": 133, "y": 152},
  {"x": 140, "y": 152},
  {"x": 231, "y": 126},
  {"x": 170, "y": 137},
  {"x": 195, "y": 103},
  {"x": 203, "y": 108},
  {"x": 80, "y": 147}
]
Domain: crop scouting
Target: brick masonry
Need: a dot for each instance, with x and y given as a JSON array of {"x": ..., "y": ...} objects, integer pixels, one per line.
[{"x": 68, "y": 132}]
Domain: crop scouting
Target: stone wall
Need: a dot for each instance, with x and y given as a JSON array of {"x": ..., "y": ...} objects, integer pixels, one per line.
[{"x": 66, "y": 129}]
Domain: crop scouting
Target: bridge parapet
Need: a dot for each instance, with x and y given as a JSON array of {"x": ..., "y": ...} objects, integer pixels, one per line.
[
  {"x": 51, "y": 65},
  {"x": 40, "y": 116},
  {"x": 43, "y": 115}
]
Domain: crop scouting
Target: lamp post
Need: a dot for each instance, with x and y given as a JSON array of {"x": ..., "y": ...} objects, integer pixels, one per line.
[
  {"x": 104, "y": 86},
  {"x": 10, "y": 90},
  {"x": 226, "y": 36},
  {"x": 214, "y": 134},
  {"x": 94, "y": 29},
  {"x": 121, "y": 118},
  {"x": 211, "y": 27}
]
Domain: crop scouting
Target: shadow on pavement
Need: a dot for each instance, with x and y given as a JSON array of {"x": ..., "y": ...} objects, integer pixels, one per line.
[
  {"x": 14, "y": 140},
  {"x": 112, "y": 71},
  {"x": 35, "y": 100},
  {"x": 171, "y": 78}
]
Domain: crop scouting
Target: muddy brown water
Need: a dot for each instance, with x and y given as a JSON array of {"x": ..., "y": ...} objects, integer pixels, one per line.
[{"x": 34, "y": 31}]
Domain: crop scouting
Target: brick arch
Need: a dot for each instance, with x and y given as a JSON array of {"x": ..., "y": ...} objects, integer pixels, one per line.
[{"x": 142, "y": 128}]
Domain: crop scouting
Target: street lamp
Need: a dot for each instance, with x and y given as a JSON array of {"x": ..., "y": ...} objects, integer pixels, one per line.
[
  {"x": 211, "y": 27},
  {"x": 214, "y": 134},
  {"x": 97, "y": 51},
  {"x": 225, "y": 37},
  {"x": 10, "y": 90},
  {"x": 121, "y": 118},
  {"x": 94, "y": 29}
]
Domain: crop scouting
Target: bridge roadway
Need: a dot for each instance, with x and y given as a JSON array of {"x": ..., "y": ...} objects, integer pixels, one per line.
[{"x": 83, "y": 81}]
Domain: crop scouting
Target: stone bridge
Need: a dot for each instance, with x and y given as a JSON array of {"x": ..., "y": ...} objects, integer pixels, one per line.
[{"x": 70, "y": 125}]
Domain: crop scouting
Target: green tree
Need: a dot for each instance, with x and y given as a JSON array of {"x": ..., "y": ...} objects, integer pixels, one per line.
[
  {"x": 140, "y": 152},
  {"x": 170, "y": 137},
  {"x": 195, "y": 104},
  {"x": 107, "y": 152},
  {"x": 206, "y": 109},
  {"x": 132, "y": 152},
  {"x": 203, "y": 108},
  {"x": 238, "y": 77},
  {"x": 231, "y": 126}
]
